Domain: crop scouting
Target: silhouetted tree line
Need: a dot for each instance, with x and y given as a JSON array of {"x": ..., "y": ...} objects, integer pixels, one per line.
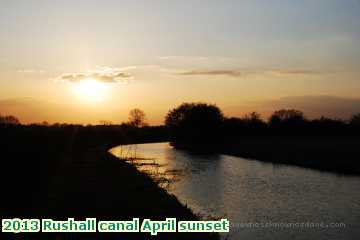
[
  {"x": 201, "y": 122},
  {"x": 287, "y": 137},
  {"x": 9, "y": 120},
  {"x": 190, "y": 122}
]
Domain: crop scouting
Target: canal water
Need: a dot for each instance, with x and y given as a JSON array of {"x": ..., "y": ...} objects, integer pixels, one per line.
[{"x": 261, "y": 200}]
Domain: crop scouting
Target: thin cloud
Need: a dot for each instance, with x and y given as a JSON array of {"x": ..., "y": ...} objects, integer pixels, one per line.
[
  {"x": 242, "y": 73},
  {"x": 178, "y": 57},
  {"x": 104, "y": 74},
  {"x": 231, "y": 73},
  {"x": 295, "y": 72},
  {"x": 30, "y": 71}
]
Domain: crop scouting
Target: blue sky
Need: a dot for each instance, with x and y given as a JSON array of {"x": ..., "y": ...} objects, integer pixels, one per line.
[{"x": 142, "y": 30}]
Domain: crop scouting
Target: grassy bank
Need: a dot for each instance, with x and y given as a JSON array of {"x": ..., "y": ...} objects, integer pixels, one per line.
[
  {"x": 338, "y": 155},
  {"x": 52, "y": 173}
]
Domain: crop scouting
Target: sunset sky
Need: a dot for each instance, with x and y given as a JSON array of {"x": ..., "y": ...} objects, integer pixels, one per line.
[{"x": 85, "y": 61}]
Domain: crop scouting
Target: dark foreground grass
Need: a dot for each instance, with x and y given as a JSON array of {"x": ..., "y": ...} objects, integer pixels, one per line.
[
  {"x": 45, "y": 175},
  {"x": 93, "y": 183}
]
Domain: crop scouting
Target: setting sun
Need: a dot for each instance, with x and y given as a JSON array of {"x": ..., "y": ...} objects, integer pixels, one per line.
[{"x": 90, "y": 90}]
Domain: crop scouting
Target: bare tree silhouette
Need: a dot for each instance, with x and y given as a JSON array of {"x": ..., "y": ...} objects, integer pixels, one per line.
[{"x": 137, "y": 118}]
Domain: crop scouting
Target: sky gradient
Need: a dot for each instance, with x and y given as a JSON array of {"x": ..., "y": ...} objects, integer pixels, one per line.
[{"x": 241, "y": 55}]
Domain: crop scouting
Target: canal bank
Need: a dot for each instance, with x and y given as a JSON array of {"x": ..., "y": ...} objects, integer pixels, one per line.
[{"x": 92, "y": 183}]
